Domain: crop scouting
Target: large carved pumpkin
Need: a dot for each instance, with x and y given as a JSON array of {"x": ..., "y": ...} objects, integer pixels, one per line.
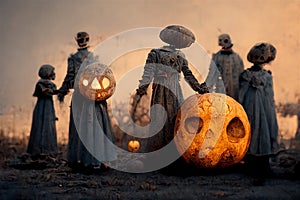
[
  {"x": 213, "y": 129},
  {"x": 96, "y": 82}
]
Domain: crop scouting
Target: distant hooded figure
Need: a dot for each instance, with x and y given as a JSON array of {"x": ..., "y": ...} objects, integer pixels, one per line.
[
  {"x": 164, "y": 66},
  {"x": 256, "y": 94},
  {"x": 229, "y": 66},
  {"x": 43, "y": 138},
  {"x": 88, "y": 123}
]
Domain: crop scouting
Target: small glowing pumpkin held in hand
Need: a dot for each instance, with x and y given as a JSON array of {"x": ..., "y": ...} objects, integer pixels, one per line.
[
  {"x": 133, "y": 146},
  {"x": 213, "y": 129},
  {"x": 96, "y": 82}
]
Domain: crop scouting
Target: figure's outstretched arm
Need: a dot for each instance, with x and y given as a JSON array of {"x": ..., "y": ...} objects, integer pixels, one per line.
[
  {"x": 68, "y": 82},
  {"x": 147, "y": 74},
  {"x": 145, "y": 81},
  {"x": 192, "y": 81}
]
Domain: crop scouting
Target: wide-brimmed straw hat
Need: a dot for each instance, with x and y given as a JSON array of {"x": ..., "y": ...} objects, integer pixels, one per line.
[
  {"x": 177, "y": 36},
  {"x": 261, "y": 53}
]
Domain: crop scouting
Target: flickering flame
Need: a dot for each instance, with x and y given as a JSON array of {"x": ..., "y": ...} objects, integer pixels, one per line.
[{"x": 95, "y": 84}]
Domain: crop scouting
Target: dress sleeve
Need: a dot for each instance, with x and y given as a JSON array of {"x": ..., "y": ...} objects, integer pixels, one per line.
[
  {"x": 213, "y": 73},
  {"x": 68, "y": 82},
  {"x": 269, "y": 90},
  {"x": 45, "y": 89},
  {"x": 189, "y": 77},
  {"x": 244, "y": 80},
  {"x": 241, "y": 65},
  {"x": 148, "y": 73}
]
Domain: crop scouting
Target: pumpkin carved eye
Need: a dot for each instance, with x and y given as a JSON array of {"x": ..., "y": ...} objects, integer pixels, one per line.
[
  {"x": 193, "y": 125},
  {"x": 85, "y": 82},
  {"x": 105, "y": 83},
  {"x": 236, "y": 128}
]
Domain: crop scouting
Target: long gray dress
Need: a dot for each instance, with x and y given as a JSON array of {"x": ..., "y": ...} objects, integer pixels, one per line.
[
  {"x": 257, "y": 97},
  {"x": 43, "y": 139},
  {"x": 163, "y": 67}
]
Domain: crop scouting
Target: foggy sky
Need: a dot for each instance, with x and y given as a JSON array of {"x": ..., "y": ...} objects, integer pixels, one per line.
[{"x": 35, "y": 32}]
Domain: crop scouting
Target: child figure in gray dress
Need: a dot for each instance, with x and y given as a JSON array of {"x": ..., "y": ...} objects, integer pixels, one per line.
[{"x": 43, "y": 139}]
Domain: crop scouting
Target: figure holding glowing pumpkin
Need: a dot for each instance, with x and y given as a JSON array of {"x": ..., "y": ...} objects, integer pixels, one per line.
[
  {"x": 164, "y": 66},
  {"x": 89, "y": 124}
]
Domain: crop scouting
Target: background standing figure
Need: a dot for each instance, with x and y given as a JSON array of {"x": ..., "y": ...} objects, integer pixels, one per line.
[
  {"x": 230, "y": 66},
  {"x": 43, "y": 138},
  {"x": 256, "y": 94},
  {"x": 77, "y": 154},
  {"x": 163, "y": 67}
]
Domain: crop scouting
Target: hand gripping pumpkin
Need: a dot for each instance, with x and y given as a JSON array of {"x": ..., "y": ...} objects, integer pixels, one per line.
[
  {"x": 213, "y": 129},
  {"x": 96, "y": 82}
]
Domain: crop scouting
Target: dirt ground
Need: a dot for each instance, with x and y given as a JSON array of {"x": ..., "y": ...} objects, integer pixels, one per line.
[{"x": 60, "y": 182}]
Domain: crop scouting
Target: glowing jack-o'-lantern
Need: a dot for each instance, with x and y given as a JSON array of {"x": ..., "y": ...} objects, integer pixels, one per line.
[
  {"x": 96, "y": 82},
  {"x": 133, "y": 145},
  {"x": 212, "y": 130}
]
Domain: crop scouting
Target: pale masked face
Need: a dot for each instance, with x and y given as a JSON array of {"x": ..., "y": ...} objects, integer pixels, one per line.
[{"x": 224, "y": 41}]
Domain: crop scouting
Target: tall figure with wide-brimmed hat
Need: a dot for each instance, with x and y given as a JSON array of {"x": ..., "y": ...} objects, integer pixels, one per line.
[
  {"x": 256, "y": 94},
  {"x": 163, "y": 68}
]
